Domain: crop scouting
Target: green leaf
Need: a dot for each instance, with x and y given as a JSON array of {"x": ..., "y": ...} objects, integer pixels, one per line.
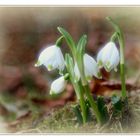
[
  {"x": 117, "y": 104},
  {"x": 59, "y": 41},
  {"x": 79, "y": 57},
  {"x": 103, "y": 109},
  {"x": 89, "y": 114},
  {"x": 81, "y": 44},
  {"x": 68, "y": 38},
  {"x": 69, "y": 64},
  {"x": 114, "y": 24},
  {"x": 81, "y": 49},
  {"x": 70, "y": 69},
  {"x": 78, "y": 113},
  {"x": 115, "y": 99}
]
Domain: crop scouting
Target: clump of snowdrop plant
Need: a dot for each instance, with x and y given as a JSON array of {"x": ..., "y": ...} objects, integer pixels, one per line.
[{"x": 79, "y": 67}]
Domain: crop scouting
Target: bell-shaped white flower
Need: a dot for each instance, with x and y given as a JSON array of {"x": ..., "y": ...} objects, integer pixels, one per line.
[
  {"x": 52, "y": 58},
  {"x": 58, "y": 85},
  {"x": 108, "y": 57},
  {"x": 90, "y": 68}
]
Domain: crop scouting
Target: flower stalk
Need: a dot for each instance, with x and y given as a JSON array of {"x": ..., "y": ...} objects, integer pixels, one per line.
[
  {"x": 77, "y": 86},
  {"x": 120, "y": 37}
]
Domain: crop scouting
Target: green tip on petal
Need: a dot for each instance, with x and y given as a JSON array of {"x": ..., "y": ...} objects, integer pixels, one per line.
[
  {"x": 89, "y": 78},
  {"x": 52, "y": 92},
  {"x": 50, "y": 67},
  {"x": 108, "y": 64},
  {"x": 107, "y": 68},
  {"x": 99, "y": 75},
  {"x": 37, "y": 64},
  {"x": 100, "y": 64}
]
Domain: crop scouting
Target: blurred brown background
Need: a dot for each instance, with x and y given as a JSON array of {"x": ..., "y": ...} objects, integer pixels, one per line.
[{"x": 25, "y": 30}]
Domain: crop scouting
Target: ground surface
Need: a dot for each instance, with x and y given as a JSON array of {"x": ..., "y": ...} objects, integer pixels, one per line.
[
  {"x": 18, "y": 113},
  {"x": 63, "y": 120}
]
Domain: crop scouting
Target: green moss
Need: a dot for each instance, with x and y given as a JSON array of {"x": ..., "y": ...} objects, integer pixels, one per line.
[{"x": 63, "y": 120}]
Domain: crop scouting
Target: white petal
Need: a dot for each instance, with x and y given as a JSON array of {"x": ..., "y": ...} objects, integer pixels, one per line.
[
  {"x": 60, "y": 60},
  {"x": 115, "y": 58},
  {"x": 112, "y": 57},
  {"x": 52, "y": 58},
  {"x": 91, "y": 67},
  {"x": 99, "y": 58},
  {"x": 58, "y": 85},
  {"x": 47, "y": 54},
  {"x": 109, "y": 56}
]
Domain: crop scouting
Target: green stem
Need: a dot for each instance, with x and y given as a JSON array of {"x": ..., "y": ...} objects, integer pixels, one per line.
[
  {"x": 80, "y": 97},
  {"x": 83, "y": 104},
  {"x": 123, "y": 81},
  {"x": 59, "y": 41},
  {"x": 93, "y": 104},
  {"x": 82, "y": 73},
  {"x": 77, "y": 86},
  {"x": 122, "y": 62},
  {"x": 122, "y": 66},
  {"x": 83, "y": 107},
  {"x": 114, "y": 37}
]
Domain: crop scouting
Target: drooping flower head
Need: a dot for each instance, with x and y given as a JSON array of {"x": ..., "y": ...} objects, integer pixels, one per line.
[
  {"x": 108, "y": 57},
  {"x": 90, "y": 68},
  {"x": 52, "y": 58},
  {"x": 58, "y": 85}
]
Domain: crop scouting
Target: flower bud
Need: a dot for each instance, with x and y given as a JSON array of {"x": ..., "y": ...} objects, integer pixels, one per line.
[{"x": 58, "y": 85}]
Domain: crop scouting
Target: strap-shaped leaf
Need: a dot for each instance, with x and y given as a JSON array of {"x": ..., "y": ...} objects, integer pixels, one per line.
[
  {"x": 81, "y": 50},
  {"x": 103, "y": 109},
  {"x": 114, "y": 24},
  {"x": 69, "y": 64},
  {"x": 82, "y": 44},
  {"x": 68, "y": 38},
  {"x": 79, "y": 57},
  {"x": 89, "y": 113},
  {"x": 59, "y": 41},
  {"x": 78, "y": 114},
  {"x": 117, "y": 103},
  {"x": 70, "y": 69}
]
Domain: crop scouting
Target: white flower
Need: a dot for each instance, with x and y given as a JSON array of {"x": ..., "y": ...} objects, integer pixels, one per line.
[
  {"x": 52, "y": 58},
  {"x": 90, "y": 68},
  {"x": 58, "y": 85},
  {"x": 108, "y": 57}
]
